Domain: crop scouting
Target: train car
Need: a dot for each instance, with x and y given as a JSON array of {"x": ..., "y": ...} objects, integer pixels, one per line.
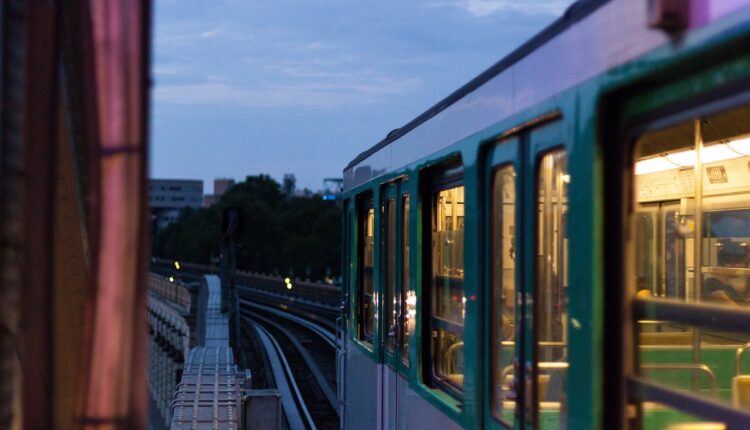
[{"x": 563, "y": 242}]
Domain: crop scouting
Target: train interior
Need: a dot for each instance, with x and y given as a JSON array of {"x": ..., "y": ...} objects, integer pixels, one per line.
[
  {"x": 448, "y": 296},
  {"x": 690, "y": 233}
]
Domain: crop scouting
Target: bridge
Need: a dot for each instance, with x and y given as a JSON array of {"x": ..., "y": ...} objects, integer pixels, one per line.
[{"x": 275, "y": 369}]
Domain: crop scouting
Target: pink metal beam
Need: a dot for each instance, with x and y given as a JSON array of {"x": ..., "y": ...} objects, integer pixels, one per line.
[{"x": 116, "y": 392}]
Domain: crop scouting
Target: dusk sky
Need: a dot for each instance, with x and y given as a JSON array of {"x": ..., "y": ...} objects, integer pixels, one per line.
[{"x": 244, "y": 87}]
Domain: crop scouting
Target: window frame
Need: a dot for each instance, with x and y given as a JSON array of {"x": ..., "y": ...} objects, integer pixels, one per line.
[
  {"x": 365, "y": 202},
  {"x": 405, "y": 246},
  {"x": 447, "y": 176},
  {"x": 396, "y": 191},
  {"x": 388, "y": 274}
]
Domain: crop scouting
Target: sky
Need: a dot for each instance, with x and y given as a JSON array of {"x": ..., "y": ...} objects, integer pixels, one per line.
[{"x": 247, "y": 87}]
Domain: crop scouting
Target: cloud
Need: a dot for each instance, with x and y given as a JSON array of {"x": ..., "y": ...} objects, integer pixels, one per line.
[
  {"x": 314, "y": 46},
  {"x": 164, "y": 70},
  {"x": 482, "y": 8},
  {"x": 319, "y": 94},
  {"x": 210, "y": 33},
  {"x": 185, "y": 34}
]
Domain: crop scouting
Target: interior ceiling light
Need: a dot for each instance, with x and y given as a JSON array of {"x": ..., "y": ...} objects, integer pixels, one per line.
[
  {"x": 682, "y": 158},
  {"x": 653, "y": 165},
  {"x": 741, "y": 146},
  {"x": 719, "y": 152}
]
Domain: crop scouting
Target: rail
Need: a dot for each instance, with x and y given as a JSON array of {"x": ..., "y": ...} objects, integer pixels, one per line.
[
  {"x": 554, "y": 365},
  {"x": 696, "y": 368},
  {"x": 325, "y": 387},
  {"x": 328, "y": 336},
  {"x": 285, "y": 382},
  {"x": 320, "y": 308},
  {"x": 738, "y": 357}
]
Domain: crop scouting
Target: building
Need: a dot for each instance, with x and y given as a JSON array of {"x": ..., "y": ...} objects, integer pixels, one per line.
[
  {"x": 221, "y": 186},
  {"x": 167, "y": 197}
]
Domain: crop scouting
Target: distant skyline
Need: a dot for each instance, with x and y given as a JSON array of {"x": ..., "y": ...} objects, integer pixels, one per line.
[{"x": 291, "y": 86}]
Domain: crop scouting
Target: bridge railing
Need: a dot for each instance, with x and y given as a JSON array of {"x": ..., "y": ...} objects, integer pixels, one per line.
[
  {"x": 316, "y": 291},
  {"x": 173, "y": 291}
]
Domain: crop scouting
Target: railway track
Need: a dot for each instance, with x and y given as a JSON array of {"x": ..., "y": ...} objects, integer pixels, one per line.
[
  {"x": 297, "y": 336},
  {"x": 295, "y": 410},
  {"x": 307, "y": 351}
]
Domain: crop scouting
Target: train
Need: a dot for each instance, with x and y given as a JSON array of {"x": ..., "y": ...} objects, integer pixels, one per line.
[{"x": 564, "y": 241}]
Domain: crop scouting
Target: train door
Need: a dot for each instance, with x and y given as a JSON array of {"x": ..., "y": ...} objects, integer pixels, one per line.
[
  {"x": 528, "y": 303},
  {"x": 546, "y": 335},
  {"x": 505, "y": 294},
  {"x": 395, "y": 321},
  {"x": 343, "y": 320}
]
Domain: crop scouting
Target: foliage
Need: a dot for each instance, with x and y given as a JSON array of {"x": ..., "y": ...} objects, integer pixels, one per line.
[{"x": 282, "y": 233}]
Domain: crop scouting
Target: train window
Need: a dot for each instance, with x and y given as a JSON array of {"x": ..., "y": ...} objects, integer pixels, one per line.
[
  {"x": 390, "y": 295},
  {"x": 503, "y": 291},
  {"x": 551, "y": 295},
  {"x": 366, "y": 296},
  {"x": 447, "y": 322},
  {"x": 690, "y": 251},
  {"x": 408, "y": 297}
]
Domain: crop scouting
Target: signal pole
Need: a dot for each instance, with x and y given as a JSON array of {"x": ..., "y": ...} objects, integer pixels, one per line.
[{"x": 231, "y": 231}]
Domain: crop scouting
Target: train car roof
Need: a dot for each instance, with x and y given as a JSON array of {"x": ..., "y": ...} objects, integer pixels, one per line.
[
  {"x": 533, "y": 73},
  {"x": 573, "y": 14}
]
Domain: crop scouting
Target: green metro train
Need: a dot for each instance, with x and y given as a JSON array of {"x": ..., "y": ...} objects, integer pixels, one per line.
[{"x": 564, "y": 242}]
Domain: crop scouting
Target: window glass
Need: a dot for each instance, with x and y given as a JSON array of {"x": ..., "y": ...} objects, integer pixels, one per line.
[
  {"x": 367, "y": 253},
  {"x": 390, "y": 295},
  {"x": 503, "y": 292},
  {"x": 408, "y": 297},
  {"x": 691, "y": 243},
  {"x": 551, "y": 307},
  {"x": 448, "y": 298}
]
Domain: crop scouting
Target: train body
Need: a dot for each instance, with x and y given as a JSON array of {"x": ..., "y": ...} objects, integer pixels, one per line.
[{"x": 564, "y": 242}]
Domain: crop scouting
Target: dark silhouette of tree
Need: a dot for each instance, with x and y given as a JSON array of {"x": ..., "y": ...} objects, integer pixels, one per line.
[
  {"x": 281, "y": 232},
  {"x": 289, "y": 184}
]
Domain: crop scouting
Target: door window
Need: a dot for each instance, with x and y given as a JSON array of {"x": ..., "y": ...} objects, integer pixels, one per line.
[
  {"x": 551, "y": 293},
  {"x": 503, "y": 281}
]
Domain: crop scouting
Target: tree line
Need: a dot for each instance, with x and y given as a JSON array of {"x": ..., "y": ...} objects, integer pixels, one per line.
[{"x": 283, "y": 233}]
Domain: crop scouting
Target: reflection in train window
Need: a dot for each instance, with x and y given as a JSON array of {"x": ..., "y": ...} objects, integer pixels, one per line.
[
  {"x": 390, "y": 295},
  {"x": 365, "y": 293},
  {"x": 691, "y": 243},
  {"x": 551, "y": 307},
  {"x": 448, "y": 298},
  {"x": 408, "y": 297},
  {"x": 503, "y": 291}
]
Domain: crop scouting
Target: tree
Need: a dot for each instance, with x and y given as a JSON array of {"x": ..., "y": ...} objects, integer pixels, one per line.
[
  {"x": 281, "y": 230},
  {"x": 289, "y": 184}
]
